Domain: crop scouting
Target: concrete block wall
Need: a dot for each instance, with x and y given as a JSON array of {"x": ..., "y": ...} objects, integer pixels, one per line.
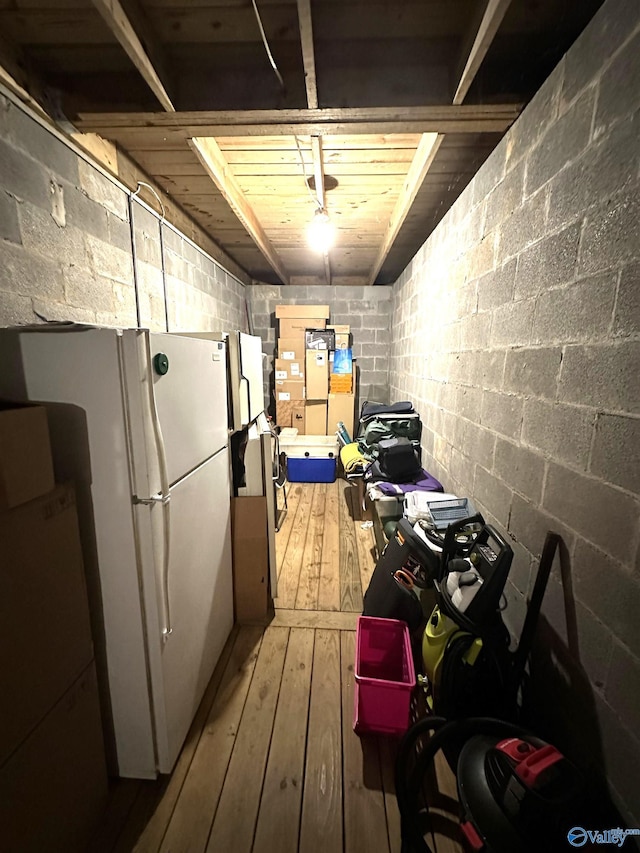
[
  {"x": 516, "y": 332},
  {"x": 69, "y": 236},
  {"x": 366, "y": 309}
]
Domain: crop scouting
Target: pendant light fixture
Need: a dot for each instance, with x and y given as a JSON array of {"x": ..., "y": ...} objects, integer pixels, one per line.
[{"x": 320, "y": 233}]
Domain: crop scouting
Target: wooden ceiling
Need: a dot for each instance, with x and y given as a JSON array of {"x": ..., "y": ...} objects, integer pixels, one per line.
[{"x": 390, "y": 106}]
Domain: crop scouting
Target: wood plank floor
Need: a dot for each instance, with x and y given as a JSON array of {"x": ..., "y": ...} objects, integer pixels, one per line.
[{"x": 271, "y": 763}]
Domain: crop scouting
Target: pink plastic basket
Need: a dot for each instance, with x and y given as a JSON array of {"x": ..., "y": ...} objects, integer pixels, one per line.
[{"x": 385, "y": 676}]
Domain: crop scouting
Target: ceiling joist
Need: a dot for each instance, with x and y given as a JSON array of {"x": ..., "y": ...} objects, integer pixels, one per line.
[
  {"x": 476, "y": 44},
  {"x": 16, "y": 74},
  {"x": 483, "y": 118},
  {"x": 218, "y": 169},
  {"x": 423, "y": 158},
  {"x": 308, "y": 52},
  {"x": 120, "y": 25}
]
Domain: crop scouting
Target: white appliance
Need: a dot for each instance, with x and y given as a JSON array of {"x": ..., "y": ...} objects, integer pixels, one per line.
[
  {"x": 245, "y": 377},
  {"x": 260, "y": 465},
  {"x": 138, "y": 421}
]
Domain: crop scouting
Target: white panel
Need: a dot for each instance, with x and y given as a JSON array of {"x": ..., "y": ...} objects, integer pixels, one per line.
[
  {"x": 77, "y": 373},
  {"x": 251, "y": 370},
  {"x": 191, "y": 399},
  {"x": 201, "y": 602}
]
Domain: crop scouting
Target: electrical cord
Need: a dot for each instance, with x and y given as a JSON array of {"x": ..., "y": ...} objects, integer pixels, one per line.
[{"x": 266, "y": 46}]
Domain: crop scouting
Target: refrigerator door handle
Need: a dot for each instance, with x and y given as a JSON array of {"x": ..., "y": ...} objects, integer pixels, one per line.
[{"x": 163, "y": 497}]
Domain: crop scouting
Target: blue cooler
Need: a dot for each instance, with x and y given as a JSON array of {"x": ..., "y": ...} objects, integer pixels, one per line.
[{"x": 310, "y": 458}]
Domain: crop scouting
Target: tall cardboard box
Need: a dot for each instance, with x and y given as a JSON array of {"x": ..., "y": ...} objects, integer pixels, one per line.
[
  {"x": 291, "y": 414},
  {"x": 250, "y": 558},
  {"x": 53, "y": 788},
  {"x": 341, "y": 407},
  {"x": 315, "y": 415},
  {"x": 289, "y": 369},
  {"x": 45, "y": 632},
  {"x": 26, "y": 467},
  {"x": 291, "y": 349},
  {"x": 317, "y": 374}
]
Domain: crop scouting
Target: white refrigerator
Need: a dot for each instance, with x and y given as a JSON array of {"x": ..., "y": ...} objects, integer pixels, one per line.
[{"x": 139, "y": 421}]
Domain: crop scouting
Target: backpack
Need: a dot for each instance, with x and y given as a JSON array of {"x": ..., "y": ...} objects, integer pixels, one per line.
[{"x": 398, "y": 460}]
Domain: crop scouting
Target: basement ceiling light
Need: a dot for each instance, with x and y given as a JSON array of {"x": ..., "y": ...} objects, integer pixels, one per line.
[{"x": 320, "y": 233}]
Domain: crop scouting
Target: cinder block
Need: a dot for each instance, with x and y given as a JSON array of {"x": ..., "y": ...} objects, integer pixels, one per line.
[
  {"x": 41, "y": 236},
  {"x": 606, "y": 31},
  {"x": 490, "y": 368},
  {"x": 608, "y": 165},
  {"x": 9, "y": 225},
  {"x": 627, "y": 316},
  {"x": 475, "y": 330},
  {"x": 461, "y": 468},
  {"x": 492, "y": 493},
  {"x": 85, "y": 214},
  {"x": 84, "y": 289},
  {"x": 119, "y": 233},
  {"x": 496, "y": 287},
  {"x": 177, "y": 267},
  {"x": 502, "y": 413},
  {"x": 512, "y": 324},
  {"x": 598, "y": 512},
  {"x": 533, "y": 371},
  {"x": 562, "y": 432},
  {"x": 29, "y": 274},
  {"x": 515, "y": 609},
  {"x": 616, "y": 451},
  {"x": 565, "y": 139},
  {"x": 526, "y": 225},
  {"x": 104, "y": 191},
  {"x": 478, "y": 443},
  {"x": 620, "y": 754},
  {"x": 609, "y": 590},
  {"x": 520, "y": 468},
  {"x": 489, "y": 174},
  {"x": 469, "y": 402},
  {"x": 60, "y": 312},
  {"x": 548, "y": 263},
  {"x": 15, "y": 309},
  {"x": 529, "y": 525},
  {"x": 620, "y": 83},
  {"x": 539, "y": 114},
  {"x": 596, "y": 645},
  {"x": 108, "y": 261},
  {"x": 521, "y": 564},
  {"x": 36, "y": 141},
  {"x": 579, "y": 312},
  {"x": 23, "y": 177},
  {"x": 505, "y": 198},
  {"x": 611, "y": 233},
  {"x": 623, "y": 687},
  {"x": 602, "y": 376}
]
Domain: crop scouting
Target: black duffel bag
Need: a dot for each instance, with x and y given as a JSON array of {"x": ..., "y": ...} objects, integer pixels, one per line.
[{"x": 397, "y": 460}]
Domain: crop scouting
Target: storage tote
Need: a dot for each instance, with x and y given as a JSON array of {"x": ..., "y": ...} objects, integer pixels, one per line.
[{"x": 384, "y": 676}]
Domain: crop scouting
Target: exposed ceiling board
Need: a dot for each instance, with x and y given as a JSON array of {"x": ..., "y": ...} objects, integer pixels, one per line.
[{"x": 367, "y": 79}]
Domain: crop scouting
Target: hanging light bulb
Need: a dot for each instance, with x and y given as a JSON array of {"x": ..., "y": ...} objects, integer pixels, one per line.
[{"x": 320, "y": 233}]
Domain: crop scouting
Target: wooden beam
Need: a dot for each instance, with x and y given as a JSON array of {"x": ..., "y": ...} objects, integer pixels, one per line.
[
  {"x": 424, "y": 157},
  {"x": 308, "y": 52},
  {"x": 120, "y": 25},
  {"x": 481, "y": 118},
  {"x": 17, "y": 75},
  {"x": 217, "y": 167},
  {"x": 480, "y": 38}
]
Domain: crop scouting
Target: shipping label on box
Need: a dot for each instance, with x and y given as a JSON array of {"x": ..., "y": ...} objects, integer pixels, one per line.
[
  {"x": 288, "y": 369},
  {"x": 309, "y": 312}
]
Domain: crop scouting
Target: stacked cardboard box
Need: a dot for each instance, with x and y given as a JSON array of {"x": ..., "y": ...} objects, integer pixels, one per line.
[
  {"x": 53, "y": 781},
  {"x": 309, "y": 396}
]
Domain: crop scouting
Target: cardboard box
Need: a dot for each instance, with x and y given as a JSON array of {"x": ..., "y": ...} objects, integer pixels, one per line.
[
  {"x": 250, "y": 558},
  {"x": 291, "y": 414},
  {"x": 341, "y": 407},
  {"x": 317, "y": 374},
  {"x": 53, "y": 789},
  {"x": 288, "y": 369},
  {"x": 26, "y": 467},
  {"x": 291, "y": 349},
  {"x": 45, "y": 632},
  {"x": 342, "y": 336},
  {"x": 293, "y": 328},
  {"x": 309, "y": 312},
  {"x": 315, "y": 414},
  {"x": 289, "y": 389}
]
